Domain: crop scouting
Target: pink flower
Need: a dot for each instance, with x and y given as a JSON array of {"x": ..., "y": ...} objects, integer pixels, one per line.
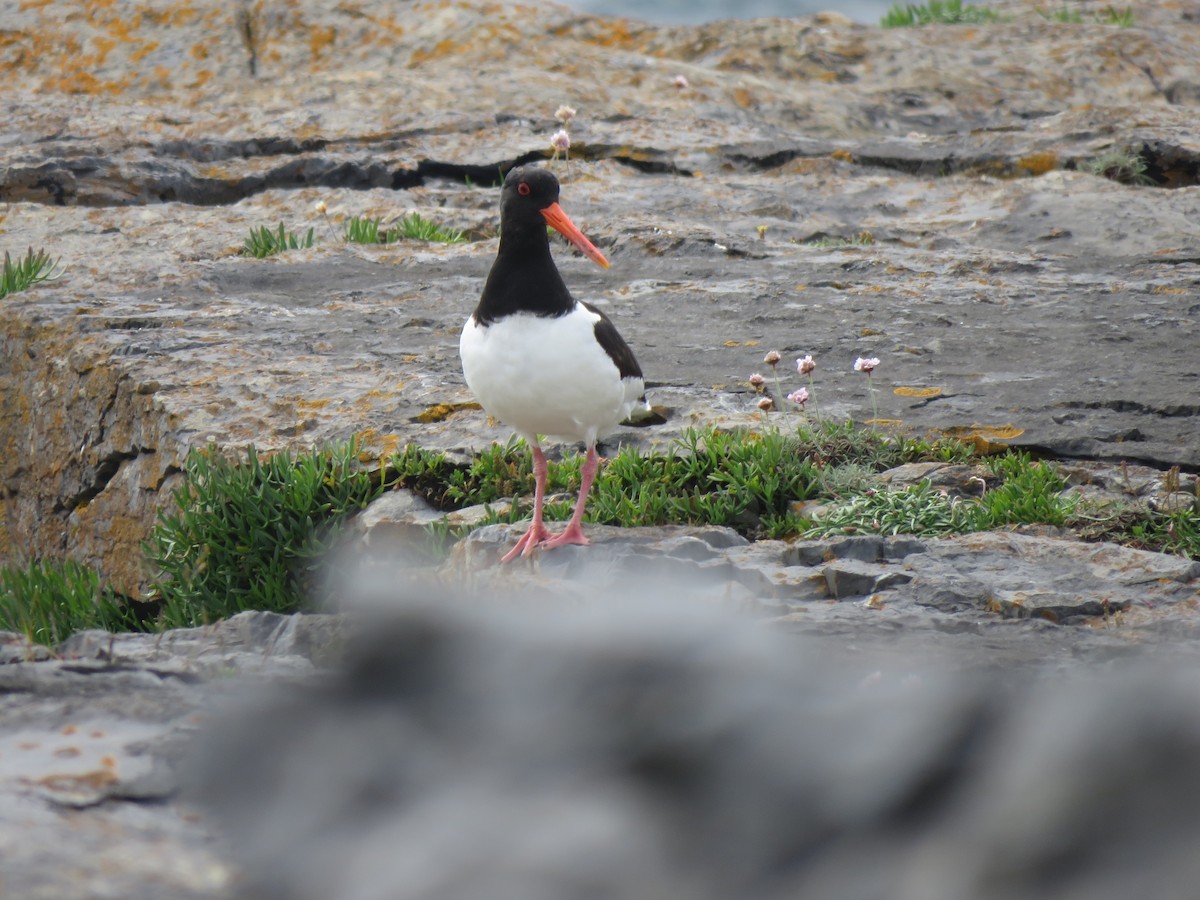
[
  {"x": 564, "y": 113},
  {"x": 560, "y": 141},
  {"x": 757, "y": 381},
  {"x": 799, "y": 397},
  {"x": 805, "y": 365},
  {"x": 772, "y": 358},
  {"x": 766, "y": 404},
  {"x": 863, "y": 364},
  {"x": 680, "y": 82}
]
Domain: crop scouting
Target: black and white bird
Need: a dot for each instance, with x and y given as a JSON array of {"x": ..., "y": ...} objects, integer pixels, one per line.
[{"x": 539, "y": 360}]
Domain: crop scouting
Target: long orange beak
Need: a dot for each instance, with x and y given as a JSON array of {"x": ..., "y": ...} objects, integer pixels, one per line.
[{"x": 560, "y": 222}]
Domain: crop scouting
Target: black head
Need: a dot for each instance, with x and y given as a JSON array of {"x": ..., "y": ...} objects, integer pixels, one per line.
[
  {"x": 528, "y": 203},
  {"x": 527, "y": 191},
  {"x": 524, "y": 277}
]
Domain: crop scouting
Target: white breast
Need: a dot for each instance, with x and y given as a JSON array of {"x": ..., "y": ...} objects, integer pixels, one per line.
[{"x": 548, "y": 376}]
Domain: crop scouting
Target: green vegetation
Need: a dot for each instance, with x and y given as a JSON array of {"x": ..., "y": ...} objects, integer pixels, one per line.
[
  {"x": 264, "y": 242},
  {"x": 1028, "y": 494},
  {"x": 416, "y": 228},
  {"x": 748, "y": 481},
  {"x": 1174, "y": 531},
  {"x": 940, "y": 12},
  {"x": 48, "y": 601},
  {"x": 862, "y": 239},
  {"x": 1119, "y": 164},
  {"x": 248, "y": 536},
  {"x": 249, "y": 533},
  {"x": 1122, "y": 18},
  {"x": 25, "y": 273},
  {"x": 365, "y": 230}
]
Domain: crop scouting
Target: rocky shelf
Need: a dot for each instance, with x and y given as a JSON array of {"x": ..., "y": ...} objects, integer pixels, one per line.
[{"x": 1006, "y": 214}]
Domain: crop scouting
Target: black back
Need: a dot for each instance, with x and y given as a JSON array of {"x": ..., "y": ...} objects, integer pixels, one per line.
[
  {"x": 614, "y": 345},
  {"x": 524, "y": 277}
]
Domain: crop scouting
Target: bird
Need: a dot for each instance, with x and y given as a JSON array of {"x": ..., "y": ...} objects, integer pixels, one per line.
[{"x": 537, "y": 359}]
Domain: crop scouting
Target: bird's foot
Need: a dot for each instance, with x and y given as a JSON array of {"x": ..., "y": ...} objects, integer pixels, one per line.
[
  {"x": 536, "y": 536},
  {"x": 573, "y": 534}
]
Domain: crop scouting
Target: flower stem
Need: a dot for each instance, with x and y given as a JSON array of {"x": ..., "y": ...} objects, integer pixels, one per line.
[
  {"x": 780, "y": 395},
  {"x": 325, "y": 216}
]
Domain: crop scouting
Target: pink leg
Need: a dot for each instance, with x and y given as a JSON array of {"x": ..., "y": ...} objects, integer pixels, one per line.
[
  {"x": 537, "y": 532},
  {"x": 573, "y": 534}
]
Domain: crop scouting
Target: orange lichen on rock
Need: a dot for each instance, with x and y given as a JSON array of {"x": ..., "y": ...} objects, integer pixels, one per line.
[
  {"x": 374, "y": 446},
  {"x": 984, "y": 438},
  {"x": 744, "y": 98},
  {"x": 441, "y": 411},
  {"x": 1039, "y": 163},
  {"x": 143, "y": 51},
  {"x": 320, "y": 39},
  {"x": 439, "y": 50}
]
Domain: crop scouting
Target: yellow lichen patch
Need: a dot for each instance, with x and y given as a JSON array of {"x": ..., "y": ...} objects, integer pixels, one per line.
[
  {"x": 443, "y": 48},
  {"x": 390, "y": 25},
  {"x": 143, "y": 51},
  {"x": 312, "y": 405},
  {"x": 742, "y": 343},
  {"x": 374, "y": 447},
  {"x": 104, "y": 46},
  {"x": 744, "y": 98},
  {"x": 320, "y": 39},
  {"x": 919, "y": 393},
  {"x": 441, "y": 411},
  {"x": 162, "y": 75},
  {"x": 984, "y": 437},
  {"x": 175, "y": 14},
  {"x": 1163, "y": 289},
  {"x": 842, "y": 155},
  {"x": 804, "y": 165},
  {"x": 84, "y": 83},
  {"x": 1039, "y": 163}
]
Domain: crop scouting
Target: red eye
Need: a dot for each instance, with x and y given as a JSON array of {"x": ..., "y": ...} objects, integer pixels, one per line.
[{"x": 523, "y": 189}]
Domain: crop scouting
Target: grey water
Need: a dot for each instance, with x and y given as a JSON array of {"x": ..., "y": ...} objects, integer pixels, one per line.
[{"x": 676, "y": 12}]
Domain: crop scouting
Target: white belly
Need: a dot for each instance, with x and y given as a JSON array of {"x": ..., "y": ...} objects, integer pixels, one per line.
[{"x": 547, "y": 376}]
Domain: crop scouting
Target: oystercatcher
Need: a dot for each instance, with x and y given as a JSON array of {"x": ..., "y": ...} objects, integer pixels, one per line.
[{"x": 539, "y": 360}]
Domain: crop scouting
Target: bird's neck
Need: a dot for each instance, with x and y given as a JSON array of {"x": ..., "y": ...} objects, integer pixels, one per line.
[{"x": 523, "y": 279}]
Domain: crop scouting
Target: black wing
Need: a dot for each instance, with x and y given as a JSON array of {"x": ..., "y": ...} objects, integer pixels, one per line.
[{"x": 614, "y": 345}]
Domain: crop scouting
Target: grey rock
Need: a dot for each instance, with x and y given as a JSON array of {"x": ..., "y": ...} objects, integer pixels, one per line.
[
  {"x": 1027, "y": 291},
  {"x": 91, "y": 744},
  {"x": 624, "y": 748},
  {"x": 988, "y": 576},
  {"x": 851, "y": 578},
  {"x": 956, "y": 480},
  {"x": 466, "y": 704}
]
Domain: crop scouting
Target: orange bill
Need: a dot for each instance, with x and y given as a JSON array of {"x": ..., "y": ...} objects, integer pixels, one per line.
[{"x": 560, "y": 222}]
